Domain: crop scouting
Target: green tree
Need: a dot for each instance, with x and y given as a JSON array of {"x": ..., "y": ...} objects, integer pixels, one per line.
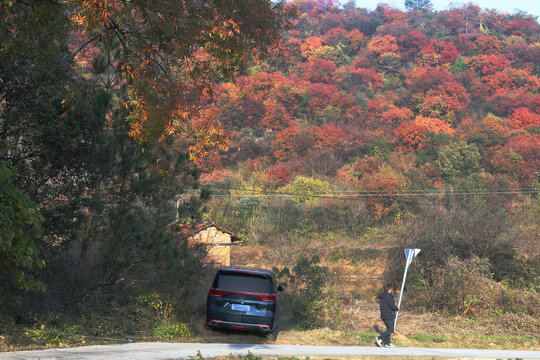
[
  {"x": 306, "y": 189},
  {"x": 458, "y": 158},
  {"x": 20, "y": 231},
  {"x": 418, "y": 5}
]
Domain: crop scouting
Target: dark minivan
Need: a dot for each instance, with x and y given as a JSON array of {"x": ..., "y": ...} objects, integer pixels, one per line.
[{"x": 244, "y": 299}]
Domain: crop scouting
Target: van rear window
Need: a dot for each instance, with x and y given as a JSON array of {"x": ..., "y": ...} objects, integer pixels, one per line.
[{"x": 244, "y": 282}]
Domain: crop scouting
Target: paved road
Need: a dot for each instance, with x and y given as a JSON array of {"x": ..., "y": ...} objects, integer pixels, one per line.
[{"x": 159, "y": 351}]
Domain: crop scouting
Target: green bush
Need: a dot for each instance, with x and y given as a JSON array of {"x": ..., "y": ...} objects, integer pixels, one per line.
[
  {"x": 460, "y": 286},
  {"x": 169, "y": 329},
  {"x": 316, "y": 304}
]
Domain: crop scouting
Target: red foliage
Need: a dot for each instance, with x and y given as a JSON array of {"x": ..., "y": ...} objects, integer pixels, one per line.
[
  {"x": 410, "y": 136},
  {"x": 445, "y": 101},
  {"x": 522, "y": 26},
  {"x": 280, "y": 175},
  {"x": 446, "y": 52},
  {"x": 422, "y": 79},
  {"x": 497, "y": 83},
  {"x": 528, "y": 147},
  {"x": 464, "y": 43},
  {"x": 536, "y": 103},
  {"x": 366, "y": 76},
  {"x": 412, "y": 40},
  {"x": 318, "y": 70},
  {"x": 291, "y": 141},
  {"x": 523, "y": 118},
  {"x": 328, "y": 136},
  {"x": 356, "y": 39},
  {"x": 380, "y": 183},
  {"x": 239, "y": 113},
  {"x": 276, "y": 116},
  {"x": 396, "y": 116},
  {"x": 382, "y": 44},
  {"x": 321, "y": 95},
  {"x": 504, "y": 103},
  {"x": 488, "y": 44},
  {"x": 335, "y": 36},
  {"x": 487, "y": 64}
]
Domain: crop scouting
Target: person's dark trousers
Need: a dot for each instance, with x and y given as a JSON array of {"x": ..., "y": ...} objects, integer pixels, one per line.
[{"x": 385, "y": 336}]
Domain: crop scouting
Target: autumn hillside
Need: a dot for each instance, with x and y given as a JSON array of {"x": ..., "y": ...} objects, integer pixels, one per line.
[
  {"x": 389, "y": 101},
  {"x": 326, "y": 136},
  {"x": 378, "y": 130}
]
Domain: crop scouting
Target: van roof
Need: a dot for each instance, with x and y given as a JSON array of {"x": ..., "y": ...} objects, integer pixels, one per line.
[{"x": 257, "y": 271}]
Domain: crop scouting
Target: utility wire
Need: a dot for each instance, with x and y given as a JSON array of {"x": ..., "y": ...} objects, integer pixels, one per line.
[
  {"x": 372, "y": 193},
  {"x": 366, "y": 195}
]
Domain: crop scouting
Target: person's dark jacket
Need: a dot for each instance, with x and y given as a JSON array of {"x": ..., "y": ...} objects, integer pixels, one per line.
[{"x": 387, "y": 305}]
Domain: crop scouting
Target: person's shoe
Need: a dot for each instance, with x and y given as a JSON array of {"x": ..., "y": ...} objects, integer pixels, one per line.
[
  {"x": 378, "y": 341},
  {"x": 389, "y": 345}
]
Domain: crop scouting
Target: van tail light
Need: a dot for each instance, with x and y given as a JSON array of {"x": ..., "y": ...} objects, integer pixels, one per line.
[
  {"x": 267, "y": 297},
  {"x": 216, "y": 292},
  {"x": 263, "y": 297}
]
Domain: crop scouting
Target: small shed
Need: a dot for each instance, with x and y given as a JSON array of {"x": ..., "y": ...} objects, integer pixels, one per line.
[{"x": 216, "y": 240}]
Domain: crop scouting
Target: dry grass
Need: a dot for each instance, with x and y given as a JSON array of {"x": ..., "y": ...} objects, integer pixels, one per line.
[{"x": 359, "y": 277}]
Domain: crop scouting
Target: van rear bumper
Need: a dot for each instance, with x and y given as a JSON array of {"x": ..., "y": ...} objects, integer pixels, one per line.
[{"x": 238, "y": 325}]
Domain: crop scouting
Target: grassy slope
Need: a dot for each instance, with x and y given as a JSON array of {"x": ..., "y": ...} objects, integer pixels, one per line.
[{"x": 358, "y": 277}]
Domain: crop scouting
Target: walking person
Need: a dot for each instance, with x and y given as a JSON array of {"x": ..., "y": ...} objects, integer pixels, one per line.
[{"x": 388, "y": 314}]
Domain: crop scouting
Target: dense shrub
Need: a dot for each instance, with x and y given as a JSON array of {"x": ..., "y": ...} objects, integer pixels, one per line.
[{"x": 310, "y": 287}]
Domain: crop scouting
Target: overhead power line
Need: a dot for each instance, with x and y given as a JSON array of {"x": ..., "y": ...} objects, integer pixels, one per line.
[{"x": 372, "y": 193}]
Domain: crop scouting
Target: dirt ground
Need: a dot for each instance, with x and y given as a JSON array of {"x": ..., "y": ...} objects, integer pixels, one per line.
[{"x": 358, "y": 280}]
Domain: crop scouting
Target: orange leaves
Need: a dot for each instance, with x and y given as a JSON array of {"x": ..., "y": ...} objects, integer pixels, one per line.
[
  {"x": 488, "y": 44},
  {"x": 207, "y": 135},
  {"x": 411, "y": 136},
  {"x": 396, "y": 116},
  {"x": 319, "y": 70},
  {"x": 321, "y": 95},
  {"x": 379, "y": 45},
  {"x": 356, "y": 39},
  {"x": 276, "y": 116},
  {"x": 487, "y": 64},
  {"x": 310, "y": 46},
  {"x": 92, "y": 13},
  {"x": 328, "y": 136},
  {"x": 288, "y": 142},
  {"x": 383, "y": 183},
  {"x": 434, "y": 125},
  {"x": 524, "y": 119}
]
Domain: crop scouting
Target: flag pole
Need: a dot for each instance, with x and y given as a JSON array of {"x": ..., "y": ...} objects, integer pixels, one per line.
[
  {"x": 410, "y": 254},
  {"x": 402, "y": 287}
]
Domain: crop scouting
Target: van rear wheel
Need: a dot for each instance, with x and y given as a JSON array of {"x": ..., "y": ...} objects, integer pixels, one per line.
[{"x": 272, "y": 335}]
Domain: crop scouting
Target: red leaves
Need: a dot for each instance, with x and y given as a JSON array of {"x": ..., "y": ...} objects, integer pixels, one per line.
[
  {"x": 290, "y": 141},
  {"x": 528, "y": 147},
  {"x": 410, "y": 136},
  {"x": 280, "y": 175},
  {"x": 321, "y": 95},
  {"x": 319, "y": 70},
  {"x": 524, "y": 119},
  {"x": 276, "y": 116},
  {"x": 487, "y": 64},
  {"x": 379, "y": 45},
  {"x": 488, "y": 44},
  {"x": 384, "y": 184}
]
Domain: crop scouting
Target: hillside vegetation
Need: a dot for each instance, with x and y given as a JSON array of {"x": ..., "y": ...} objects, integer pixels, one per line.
[
  {"x": 386, "y": 129},
  {"x": 328, "y": 137}
]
